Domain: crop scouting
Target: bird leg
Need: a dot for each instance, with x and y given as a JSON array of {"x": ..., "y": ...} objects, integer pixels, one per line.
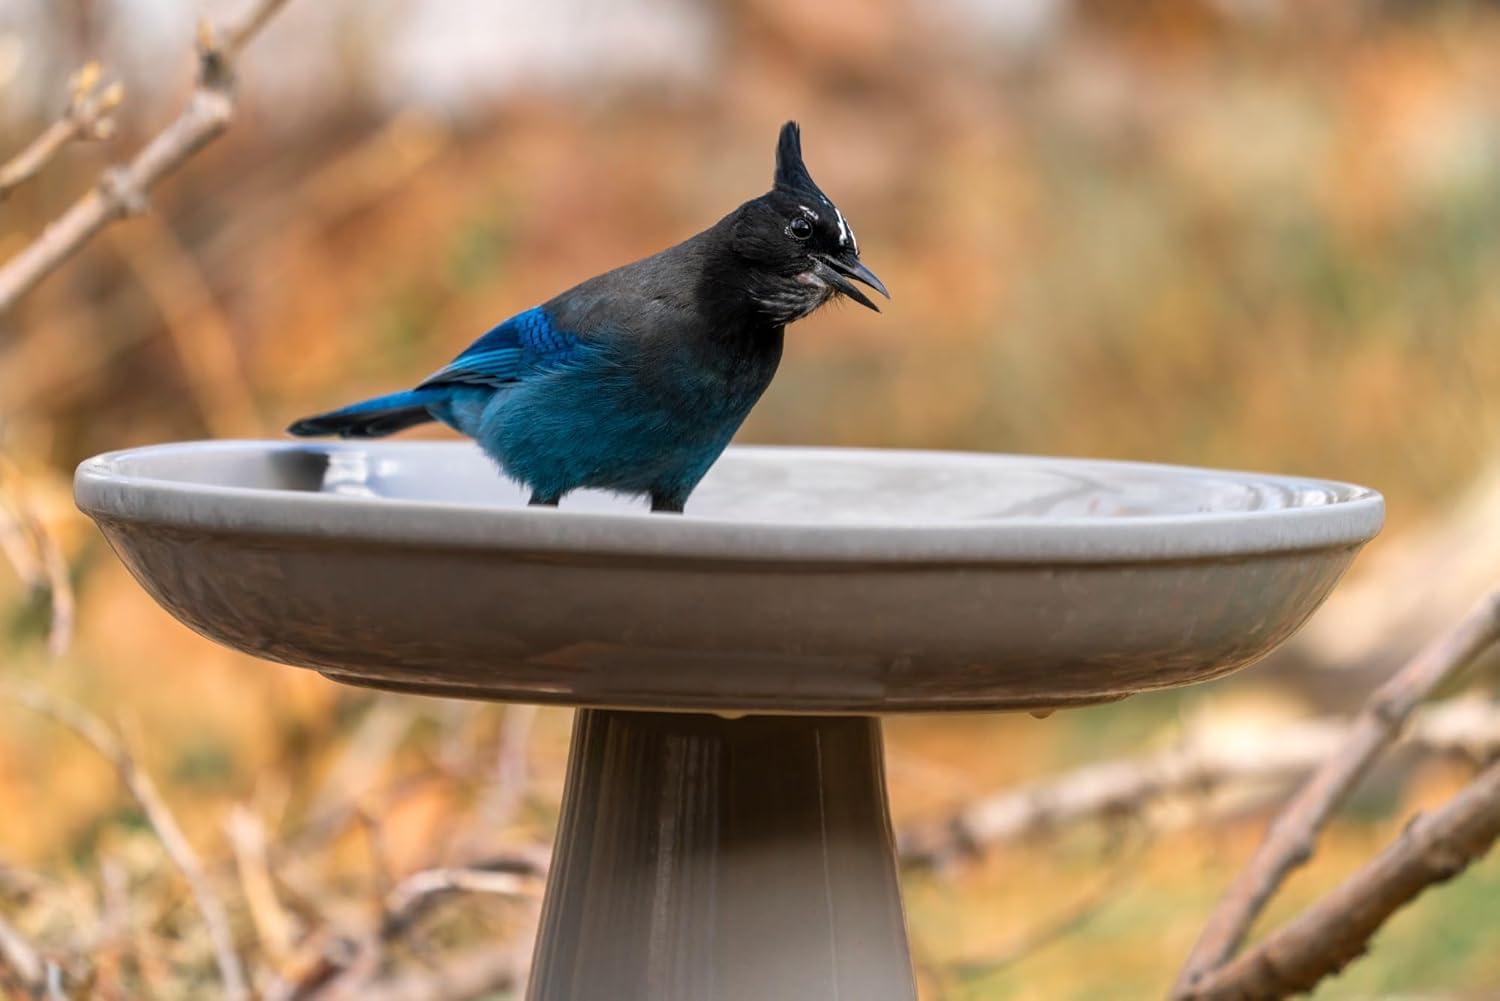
[
  {"x": 662, "y": 504},
  {"x": 540, "y": 500}
]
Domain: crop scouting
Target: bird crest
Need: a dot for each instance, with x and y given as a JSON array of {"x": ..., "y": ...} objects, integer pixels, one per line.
[
  {"x": 792, "y": 178},
  {"x": 791, "y": 173}
]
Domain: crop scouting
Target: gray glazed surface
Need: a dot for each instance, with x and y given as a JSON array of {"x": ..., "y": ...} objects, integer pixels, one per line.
[
  {"x": 708, "y": 859},
  {"x": 800, "y": 580}
]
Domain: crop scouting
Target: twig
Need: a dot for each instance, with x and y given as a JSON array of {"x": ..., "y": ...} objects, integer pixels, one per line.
[
  {"x": 55, "y": 990},
  {"x": 202, "y": 335},
  {"x": 507, "y": 784},
  {"x": 23, "y": 960},
  {"x": 59, "y": 593},
  {"x": 48, "y": 372},
  {"x": 1335, "y": 931},
  {"x": 122, "y": 191},
  {"x": 329, "y": 821},
  {"x": 1293, "y": 836},
  {"x": 380, "y": 856},
  {"x": 37, "y": 557},
  {"x": 349, "y": 794},
  {"x": 141, "y": 786},
  {"x": 135, "y": 938},
  {"x": 366, "y": 753},
  {"x": 86, "y": 117},
  {"x": 512, "y": 772},
  {"x": 413, "y": 897},
  {"x": 18, "y": 882},
  {"x": 274, "y": 928},
  {"x": 1204, "y": 763},
  {"x": 1373, "y": 624},
  {"x": 18, "y": 546},
  {"x": 116, "y": 934},
  {"x": 20, "y": 530}
]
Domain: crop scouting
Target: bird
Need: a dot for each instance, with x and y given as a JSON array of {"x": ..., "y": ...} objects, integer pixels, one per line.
[{"x": 635, "y": 381}]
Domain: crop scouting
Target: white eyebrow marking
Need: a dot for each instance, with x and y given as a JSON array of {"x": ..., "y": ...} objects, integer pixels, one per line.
[{"x": 846, "y": 232}]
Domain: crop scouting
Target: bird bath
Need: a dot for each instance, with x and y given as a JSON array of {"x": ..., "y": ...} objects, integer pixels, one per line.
[{"x": 724, "y": 830}]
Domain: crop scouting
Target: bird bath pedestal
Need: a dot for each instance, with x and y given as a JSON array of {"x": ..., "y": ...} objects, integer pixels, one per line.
[{"x": 724, "y": 829}]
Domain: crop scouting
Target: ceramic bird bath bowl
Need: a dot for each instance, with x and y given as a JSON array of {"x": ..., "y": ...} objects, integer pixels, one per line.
[{"x": 724, "y": 831}]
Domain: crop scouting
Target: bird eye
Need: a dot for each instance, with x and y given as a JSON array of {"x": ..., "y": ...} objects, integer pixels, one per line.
[{"x": 800, "y": 228}]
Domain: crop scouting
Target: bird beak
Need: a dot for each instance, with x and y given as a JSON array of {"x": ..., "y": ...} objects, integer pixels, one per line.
[{"x": 837, "y": 270}]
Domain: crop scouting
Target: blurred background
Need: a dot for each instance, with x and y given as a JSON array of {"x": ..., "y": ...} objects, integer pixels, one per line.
[{"x": 1247, "y": 233}]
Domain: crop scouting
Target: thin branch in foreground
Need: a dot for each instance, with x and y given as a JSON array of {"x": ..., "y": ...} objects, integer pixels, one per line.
[
  {"x": 23, "y": 960},
  {"x": 273, "y": 926},
  {"x": 179, "y": 850},
  {"x": 1337, "y": 929},
  {"x": 91, "y": 104},
  {"x": 17, "y": 548},
  {"x": 115, "y": 940},
  {"x": 330, "y": 820},
  {"x": 1264, "y": 762},
  {"x": 352, "y": 966},
  {"x": 122, "y": 191},
  {"x": 508, "y": 785},
  {"x": 1293, "y": 836},
  {"x": 415, "y": 895},
  {"x": 36, "y": 555}
]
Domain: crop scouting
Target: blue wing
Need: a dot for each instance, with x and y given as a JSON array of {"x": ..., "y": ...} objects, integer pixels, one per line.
[{"x": 525, "y": 343}]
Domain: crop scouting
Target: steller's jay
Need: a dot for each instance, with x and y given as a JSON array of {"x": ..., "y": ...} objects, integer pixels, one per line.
[{"x": 635, "y": 381}]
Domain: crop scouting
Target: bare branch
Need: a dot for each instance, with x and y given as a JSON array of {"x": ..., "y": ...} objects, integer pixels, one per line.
[
  {"x": 415, "y": 895},
  {"x": 1204, "y": 764},
  {"x": 236, "y": 34},
  {"x": 59, "y": 593},
  {"x": 273, "y": 926},
  {"x": 23, "y": 960},
  {"x": 366, "y": 753},
  {"x": 17, "y": 546},
  {"x": 141, "y": 786},
  {"x": 18, "y": 882},
  {"x": 508, "y": 783},
  {"x": 326, "y": 822},
  {"x": 354, "y": 963},
  {"x": 1293, "y": 836},
  {"x": 117, "y": 935},
  {"x": 1336, "y": 930},
  {"x": 35, "y": 554},
  {"x": 512, "y": 773},
  {"x": 122, "y": 191},
  {"x": 88, "y": 116}
]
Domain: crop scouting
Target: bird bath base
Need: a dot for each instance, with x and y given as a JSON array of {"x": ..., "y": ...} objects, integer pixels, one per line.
[
  {"x": 730, "y": 859},
  {"x": 706, "y": 857}
]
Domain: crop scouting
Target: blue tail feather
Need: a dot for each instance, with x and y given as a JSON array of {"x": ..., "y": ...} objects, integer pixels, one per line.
[{"x": 374, "y": 418}]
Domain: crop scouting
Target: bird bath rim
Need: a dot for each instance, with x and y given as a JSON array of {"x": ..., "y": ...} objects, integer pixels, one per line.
[
  {"x": 712, "y": 614},
  {"x": 130, "y": 485}
]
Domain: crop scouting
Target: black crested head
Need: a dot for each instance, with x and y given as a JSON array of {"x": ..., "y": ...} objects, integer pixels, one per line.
[
  {"x": 791, "y": 172},
  {"x": 797, "y": 249}
]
